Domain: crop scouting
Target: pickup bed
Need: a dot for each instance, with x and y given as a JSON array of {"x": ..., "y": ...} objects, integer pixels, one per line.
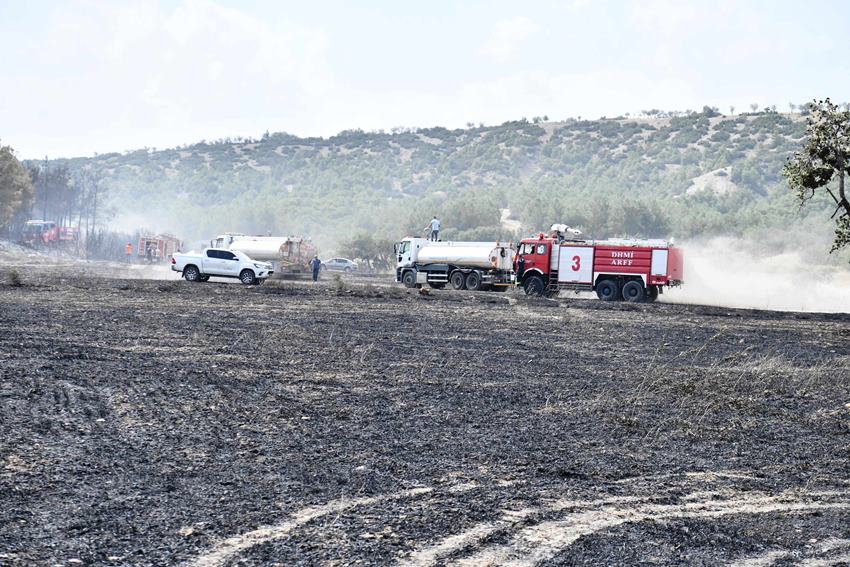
[{"x": 221, "y": 263}]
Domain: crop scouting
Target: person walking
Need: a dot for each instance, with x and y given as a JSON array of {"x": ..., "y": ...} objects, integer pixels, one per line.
[
  {"x": 434, "y": 227},
  {"x": 128, "y": 252},
  {"x": 316, "y": 264}
]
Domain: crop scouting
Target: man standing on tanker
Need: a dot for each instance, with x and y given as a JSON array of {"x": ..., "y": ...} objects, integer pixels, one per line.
[
  {"x": 316, "y": 264},
  {"x": 434, "y": 227}
]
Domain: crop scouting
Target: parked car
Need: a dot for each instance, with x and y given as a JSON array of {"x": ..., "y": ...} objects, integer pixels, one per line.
[
  {"x": 339, "y": 265},
  {"x": 221, "y": 263}
]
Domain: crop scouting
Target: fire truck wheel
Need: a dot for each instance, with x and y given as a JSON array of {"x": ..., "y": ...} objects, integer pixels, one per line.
[
  {"x": 633, "y": 292},
  {"x": 607, "y": 290},
  {"x": 247, "y": 277},
  {"x": 652, "y": 293},
  {"x": 409, "y": 279},
  {"x": 534, "y": 286},
  {"x": 191, "y": 273},
  {"x": 203, "y": 278},
  {"x": 473, "y": 281},
  {"x": 458, "y": 280}
]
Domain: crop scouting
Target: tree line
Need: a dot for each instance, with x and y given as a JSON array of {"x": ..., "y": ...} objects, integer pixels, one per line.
[{"x": 53, "y": 192}]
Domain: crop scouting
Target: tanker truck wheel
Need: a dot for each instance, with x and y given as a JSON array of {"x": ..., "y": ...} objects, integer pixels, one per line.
[
  {"x": 409, "y": 279},
  {"x": 473, "y": 281},
  {"x": 607, "y": 290},
  {"x": 534, "y": 286},
  {"x": 458, "y": 280},
  {"x": 633, "y": 291}
]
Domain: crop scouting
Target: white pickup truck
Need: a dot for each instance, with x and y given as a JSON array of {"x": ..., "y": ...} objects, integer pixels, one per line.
[{"x": 221, "y": 263}]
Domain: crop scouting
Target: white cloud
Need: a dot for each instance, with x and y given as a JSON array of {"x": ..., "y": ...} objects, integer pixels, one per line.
[
  {"x": 146, "y": 74},
  {"x": 666, "y": 16},
  {"x": 506, "y": 37}
]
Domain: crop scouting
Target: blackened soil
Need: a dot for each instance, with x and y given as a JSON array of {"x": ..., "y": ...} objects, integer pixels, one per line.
[{"x": 154, "y": 422}]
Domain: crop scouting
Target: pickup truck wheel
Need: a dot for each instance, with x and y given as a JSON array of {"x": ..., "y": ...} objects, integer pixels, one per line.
[
  {"x": 203, "y": 278},
  {"x": 192, "y": 274},
  {"x": 607, "y": 290},
  {"x": 247, "y": 277},
  {"x": 458, "y": 280},
  {"x": 534, "y": 286},
  {"x": 473, "y": 281},
  {"x": 633, "y": 291},
  {"x": 409, "y": 279}
]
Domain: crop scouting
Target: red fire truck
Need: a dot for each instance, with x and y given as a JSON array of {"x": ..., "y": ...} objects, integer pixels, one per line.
[
  {"x": 155, "y": 249},
  {"x": 42, "y": 233},
  {"x": 632, "y": 270}
]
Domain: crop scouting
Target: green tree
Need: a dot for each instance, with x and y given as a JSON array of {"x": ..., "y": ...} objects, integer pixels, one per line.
[
  {"x": 822, "y": 163},
  {"x": 16, "y": 189}
]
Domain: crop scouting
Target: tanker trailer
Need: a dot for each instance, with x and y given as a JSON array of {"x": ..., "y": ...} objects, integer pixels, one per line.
[
  {"x": 288, "y": 254},
  {"x": 464, "y": 265}
]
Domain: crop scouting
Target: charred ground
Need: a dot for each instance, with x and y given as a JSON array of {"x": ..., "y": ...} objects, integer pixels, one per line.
[{"x": 160, "y": 422}]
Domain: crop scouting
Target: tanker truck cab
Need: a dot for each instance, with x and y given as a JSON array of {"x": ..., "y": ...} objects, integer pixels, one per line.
[
  {"x": 224, "y": 240},
  {"x": 405, "y": 255}
]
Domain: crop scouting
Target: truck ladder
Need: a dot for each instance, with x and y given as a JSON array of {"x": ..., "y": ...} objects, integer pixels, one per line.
[{"x": 552, "y": 284}]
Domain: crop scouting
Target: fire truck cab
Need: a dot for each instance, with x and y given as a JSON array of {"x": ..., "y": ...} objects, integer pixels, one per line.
[{"x": 620, "y": 269}]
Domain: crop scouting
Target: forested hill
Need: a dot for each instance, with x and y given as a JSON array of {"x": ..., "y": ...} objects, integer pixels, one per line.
[{"x": 699, "y": 173}]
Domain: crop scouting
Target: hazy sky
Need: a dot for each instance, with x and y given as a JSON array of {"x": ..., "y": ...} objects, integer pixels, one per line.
[{"x": 79, "y": 77}]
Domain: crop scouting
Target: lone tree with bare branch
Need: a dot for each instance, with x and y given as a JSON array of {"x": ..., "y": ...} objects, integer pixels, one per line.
[{"x": 823, "y": 162}]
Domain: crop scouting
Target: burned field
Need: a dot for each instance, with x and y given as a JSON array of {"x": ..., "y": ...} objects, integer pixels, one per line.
[{"x": 161, "y": 422}]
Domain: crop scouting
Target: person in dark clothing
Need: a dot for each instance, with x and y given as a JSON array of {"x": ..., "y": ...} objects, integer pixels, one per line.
[{"x": 316, "y": 264}]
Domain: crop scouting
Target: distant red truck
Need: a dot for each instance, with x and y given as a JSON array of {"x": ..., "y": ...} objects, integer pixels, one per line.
[
  {"x": 42, "y": 233},
  {"x": 159, "y": 248},
  {"x": 622, "y": 269}
]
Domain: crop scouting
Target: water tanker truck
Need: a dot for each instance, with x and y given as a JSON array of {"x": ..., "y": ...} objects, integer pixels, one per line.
[
  {"x": 286, "y": 253},
  {"x": 463, "y": 265}
]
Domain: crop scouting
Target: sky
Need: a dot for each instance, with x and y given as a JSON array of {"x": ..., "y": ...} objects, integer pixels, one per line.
[{"x": 82, "y": 76}]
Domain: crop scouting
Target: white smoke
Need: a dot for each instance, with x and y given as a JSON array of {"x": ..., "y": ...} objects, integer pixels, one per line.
[{"x": 731, "y": 272}]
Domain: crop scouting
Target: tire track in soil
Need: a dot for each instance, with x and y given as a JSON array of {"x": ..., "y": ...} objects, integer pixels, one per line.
[
  {"x": 233, "y": 545},
  {"x": 539, "y": 534},
  {"x": 826, "y": 547},
  {"x": 543, "y": 541}
]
